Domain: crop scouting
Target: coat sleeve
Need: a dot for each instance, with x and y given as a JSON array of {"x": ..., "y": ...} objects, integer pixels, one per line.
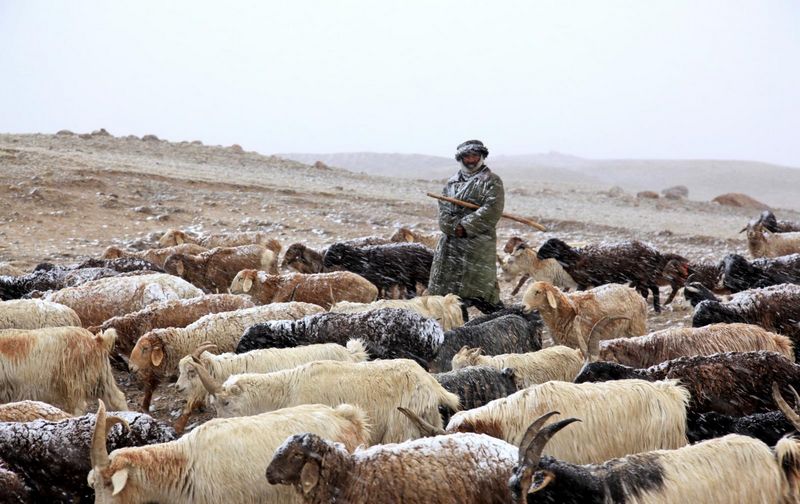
[
  {"x": 448, "y": 220},
  {"x": 485, "y": 218}
]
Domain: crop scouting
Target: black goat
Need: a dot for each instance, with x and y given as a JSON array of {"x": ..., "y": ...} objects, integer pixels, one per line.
[
  {"x": 53, "y": 457},
  {"x": 628, "y": 262},
  {"x": 386, "y": 266},
  {"x": 495, "y": 335},
  {"x": 476, "y": 386},
  {"x": 775, "y": 308},
  {"x": 695, "y": 292},
  {"x": 387, "y": 333},
  {"x": 770, "y": 223},
  {"x": 732, "y": 383},
  {"x": 739, "y": 274}
]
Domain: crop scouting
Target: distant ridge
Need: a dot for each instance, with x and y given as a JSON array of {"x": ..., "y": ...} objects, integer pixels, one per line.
[{"x": 775, "y": 185}]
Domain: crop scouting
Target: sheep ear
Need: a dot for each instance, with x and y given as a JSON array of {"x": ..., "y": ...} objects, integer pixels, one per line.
[
  {"x": 247, "y": 284},
  {"x": 309, "y": 477},
  {"x": 156, "y": 356},
  {"x": 551, "y": 300},
  {"x": 179, "y": 239},
  {"x": 118, "y": 480}
]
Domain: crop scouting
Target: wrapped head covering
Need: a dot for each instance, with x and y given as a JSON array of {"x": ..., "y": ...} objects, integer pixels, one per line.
[{"x": 471, "y": 147}]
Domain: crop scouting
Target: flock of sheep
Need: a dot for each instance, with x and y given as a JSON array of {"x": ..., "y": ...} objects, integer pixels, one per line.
[{"x": 344, "y": 382}]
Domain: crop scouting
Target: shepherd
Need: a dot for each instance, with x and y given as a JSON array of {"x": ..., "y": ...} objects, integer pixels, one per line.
[{"x": 464, "y": 263}]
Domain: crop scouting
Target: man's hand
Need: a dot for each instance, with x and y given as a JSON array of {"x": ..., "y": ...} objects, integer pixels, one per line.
[{"x": 460, "y": 232}]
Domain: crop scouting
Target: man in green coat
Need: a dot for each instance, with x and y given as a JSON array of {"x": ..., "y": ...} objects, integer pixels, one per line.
[{"x": 464, "y": 263}]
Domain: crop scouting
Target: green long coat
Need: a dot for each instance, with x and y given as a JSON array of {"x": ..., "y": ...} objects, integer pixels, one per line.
[{"x": 466, "y": 266}]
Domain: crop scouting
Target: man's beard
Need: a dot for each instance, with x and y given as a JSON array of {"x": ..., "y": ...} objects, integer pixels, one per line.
[{"x": 471, "y": 168}]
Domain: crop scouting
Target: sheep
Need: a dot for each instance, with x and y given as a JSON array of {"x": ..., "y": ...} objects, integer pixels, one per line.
[
  {"x": 386, "y": 266},
  {"x": 387, "y": 333},
  {"x": 377, "y": 387},
  {"x": 176, "y": 237},
  {"x": 99, "y": 300},
  {"x": 444, "y": 309},
  {"x": 220, "y": 367},
  {"x": 223, "y": 460},
  {"x": 157, "y": 353},
  {"x": 449, "y": 469},
  {"x": 512, "y": 244},
  {"x": 676, "y": 342},
  {"x": 35, "y": 314},
  {"x": 27, "y": 411},
  {"x": 405, "y": 234},
  {"x": 215, "y": 269},
  {"x": 570, "y": 316},
  {"x": 523, "y": 260},
  {"x": 706, "y": 273},
  {"x": 64, "y": 366},
  {"x": 13, "y": 489},
  {"x": 773, "y": 225},
  {"x": 130, "y": 327},
  {"x": 768, "y": 427},
  {"x": 476, "y": 386},
  {"x": 532, "y": 368},
  {"x": 623, "y": 417},
  {"x": 53, "y": 456},
  {"x": 695, "y": 292},
  {"x": 49, "y": 279},
  {"x": 324, "y": 289},
  {"x": 762, "y": 243},
  {"x": 775, "y": 308},
  {"x": 509, "y": 333},
  {"x": 155, "y": 256},
  {"x": 732, "y": 383},
  {"x": 303, "y": 259},
  {"x": 738, "y": 274},
  {"x": 515, "y": 309},
  {"x": 720, "y": 471},
  {"x": 624, "y": 262}
]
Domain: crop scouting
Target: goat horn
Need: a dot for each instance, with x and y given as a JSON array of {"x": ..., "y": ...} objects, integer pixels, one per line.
[
  {"x": 206, "y": 345},
  {"x": 209, "y": 383},
  {"x": 788, "y": 412},
  {"x": 796, "y": 397},
  {"x": 531, "y": 432},
  {"x": 426, "y": 428},
  {"x": 99, "y": 452},
  {"x": 534, "y": 450},
  {"x": 548, "y": 478}
]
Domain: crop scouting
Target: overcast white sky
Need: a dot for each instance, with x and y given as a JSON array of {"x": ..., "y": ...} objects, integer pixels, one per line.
[{"x": 599, "y": 79}]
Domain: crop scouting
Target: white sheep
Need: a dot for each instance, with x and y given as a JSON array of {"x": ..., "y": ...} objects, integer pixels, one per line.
[
  {"x": 523, "y": 261},
  {"x": 223, "y": 460},
  {"x": 35, "y": 314},
  {"x": 570, "y": 317},
  {"x": 379, "y": 387},
  {"x": 99, "y": 300},
  {"x": 63, "y": 366},
  {"x": 220, "y": 367},
  {"x": 444, "y": 309},
  {"x": 532, "y": 368},
  {"x": 619, "y": 417},
  {"x": 156, "y": 354},
  {"x": 763, "y": 243}
]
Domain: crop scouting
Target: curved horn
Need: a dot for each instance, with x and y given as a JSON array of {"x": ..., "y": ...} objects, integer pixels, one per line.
[
  {"x": 426, "y": 428},
  {"x": 533, "y": 429},
  {"x": 534, "y": 451},
  {"x": 549, "y": 476},
  {"x": 788, "y": 412},
  {"x": 206, "y": 345},
  {"x": 98, "y": 453},
  {"x": 209, "y": 383}
]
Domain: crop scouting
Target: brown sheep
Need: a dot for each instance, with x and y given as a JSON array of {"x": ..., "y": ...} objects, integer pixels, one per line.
[
  {"x": 215, "y": 269},
  {"x": 323, "y": 289},
  {"x": 234, "y": 239},
  {"x": 155, "y": 256}
]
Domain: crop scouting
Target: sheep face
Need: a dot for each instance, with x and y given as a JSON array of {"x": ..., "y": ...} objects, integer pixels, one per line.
[
  {"x": 174, "y": 264},
  {"x": 243, "y": 282},
  {"x": 148, "y": 354},
  {"x": 112, "y": 252},
  {"x": 605, "y": 371},
  {"x": 711, "y": 312},
  {"x": 232, "y": 400},
  {"x": 189, "y": 384},
  {"x": 512, "y": 265},
  {"x": 540, "y": 296},
  {"x": 302, "y": 259},
  {"x": 466, "y": 357},
  {"x": 290, "y": 460}
]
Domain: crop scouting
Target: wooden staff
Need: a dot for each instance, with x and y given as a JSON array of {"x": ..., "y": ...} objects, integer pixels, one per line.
[{"x": 467, "y": 204}]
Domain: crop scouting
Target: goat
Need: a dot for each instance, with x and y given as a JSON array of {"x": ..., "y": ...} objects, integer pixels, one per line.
[
  {"x": 553, "y": 363},
  {"x": 762, "y": 243},
  {"x": 444, "y": 309},
  {"x": 739, "y": 274},
  {"x": 523, "y": 260}
]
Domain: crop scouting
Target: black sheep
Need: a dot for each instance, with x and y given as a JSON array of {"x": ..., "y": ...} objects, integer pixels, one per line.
[
  {"x": 476, "y": 386},
  {"x": 695, "y": 292},
  {"x": 732, "y": 383},
  {"x": 774, "y": 225},
  {"x": 53, "y": 457},
  {"x": 739, "y": 274},
  {"x": 387, "y": 333},
  {"x": 628, "y": 262},
  {"x": 386, "y": 266},
  {"x": 769, "y": 427},
  {"x": 505, "y": 334},
  {"x": 775, "y": 308}
]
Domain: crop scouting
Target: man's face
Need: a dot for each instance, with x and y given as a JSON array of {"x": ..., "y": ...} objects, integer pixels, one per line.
[{"x": 471, "y": 160}]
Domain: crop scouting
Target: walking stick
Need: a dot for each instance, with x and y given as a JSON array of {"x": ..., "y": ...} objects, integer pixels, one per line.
[{"x": 467, "y": 204}]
